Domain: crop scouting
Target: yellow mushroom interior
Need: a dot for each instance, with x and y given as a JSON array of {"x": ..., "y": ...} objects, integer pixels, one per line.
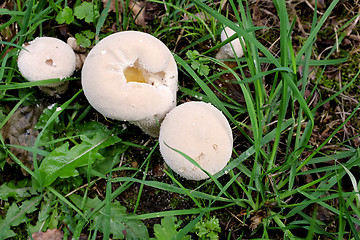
[{"x": 134, "y": 74}]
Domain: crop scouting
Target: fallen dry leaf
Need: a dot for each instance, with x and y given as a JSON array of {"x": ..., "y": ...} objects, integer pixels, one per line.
[
  {"x": 138, "y": 10},
  {"x": 113, "y": 6},
  {"x": 19, "y": 130},
  {"x": 255, "y": 221},
  {"x": 50, "y": 234},
  {"x": 196, "y": 16},
  {"x": 142, "y": 11}
]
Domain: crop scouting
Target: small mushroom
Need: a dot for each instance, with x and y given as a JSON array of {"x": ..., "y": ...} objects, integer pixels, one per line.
[
  {"x": 200, "y": 131},
  {"x": 80, "y": 52},
  {"x": 231, "y": 49},
  {"x": 131, "y": 76},
  {"x": 47, "y": 58}
]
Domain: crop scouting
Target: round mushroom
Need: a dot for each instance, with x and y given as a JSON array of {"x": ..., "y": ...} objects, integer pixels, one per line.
[
  {"x": 231, "y": 49},
  {"x": 131, "y": 76},
  {"x": 47, "y": 58},
  {"x": 200, "y": 131}
]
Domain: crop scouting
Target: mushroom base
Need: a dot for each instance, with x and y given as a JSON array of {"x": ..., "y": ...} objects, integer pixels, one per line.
[
  {"x": 55, "y": 89},
  {"x": 150, "y": 127}
]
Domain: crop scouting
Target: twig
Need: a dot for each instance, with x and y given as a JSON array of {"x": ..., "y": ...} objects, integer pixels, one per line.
[
  {"x": 85, "y": 185},
  {"x": 235, "y": 217},
  {"x": 341, "y": 95},
  {"x": 312, "y": 8}
]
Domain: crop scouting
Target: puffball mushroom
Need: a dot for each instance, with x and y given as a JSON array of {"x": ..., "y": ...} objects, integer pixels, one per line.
[
  {"x": 131, "y": 76},
  {"x": 47, "y": 58},
  {"x": 231, "y": 49},
  {"x": 200, "y": 131}
]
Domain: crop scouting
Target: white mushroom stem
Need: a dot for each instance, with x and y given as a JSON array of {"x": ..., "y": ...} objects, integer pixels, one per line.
[
  {"x": 200, "y": 131},
  {"x": 47, "y": 58},
  {"x": 131, "y": 76},
  {"x": 231, "y": 49}
]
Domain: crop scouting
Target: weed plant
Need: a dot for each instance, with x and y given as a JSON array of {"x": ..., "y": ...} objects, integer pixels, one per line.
[{"x": 91, "y": 177}]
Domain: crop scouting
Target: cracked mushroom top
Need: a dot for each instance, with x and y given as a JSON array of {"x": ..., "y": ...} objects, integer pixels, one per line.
[
  {"x": 200, "y": 131},
  {"x": 46, "y": 58},
  {"x": 130, "y": 76}
]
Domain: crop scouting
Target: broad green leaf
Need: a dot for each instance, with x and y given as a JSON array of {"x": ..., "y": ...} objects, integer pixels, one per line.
[
  {"x": 45, "y": 116},
  {"x": 198, "y": 63},
  {"x": 91, "y": 128},
  {"x": 65, "y": 16},
  {"x": 87, "y": 11},
  {"x": 88, "y": 205},
  {"x": 15, "y": 215},
  {"x": 89, "y": 34},
  {"x": 82, "y": 40},
  {"x": 5, "y": 232},
  {"x": 43, "y": 219},
  {"x": 104, "y": 165},
  {"x": 208, "y": 229},
  {"x": 15, "y": 190},
  {"x": 62, "y": 161},
  {"x": 119, "y": 226},
  {"x": 57, "y": 164},
  {"x": 167, "y": 229}
]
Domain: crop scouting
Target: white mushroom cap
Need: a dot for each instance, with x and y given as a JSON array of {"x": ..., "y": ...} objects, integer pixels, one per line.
[
  {"x": 231, "y": 49},
  {"x": 131, "y": 76},
  {"x": 200, "y": 131},
  {"x": 46, "y": 58}
]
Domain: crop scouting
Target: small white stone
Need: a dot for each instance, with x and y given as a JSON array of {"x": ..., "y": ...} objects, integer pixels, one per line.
[{"x": 51, "y": 106}]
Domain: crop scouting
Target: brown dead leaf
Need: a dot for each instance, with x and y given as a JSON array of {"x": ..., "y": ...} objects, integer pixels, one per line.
[
  {"x": 200, "y": 15},
  {"x": 158, "y": 170},
  {"x": 255, "y": 221},
  {"x": 64, "y": 30},
  {"x": 134, "y": 164},
  {"x": 113, "y": 6},
  {"x": 143, "y": 11},
  {"x": 136, "y": 7},
  {"x": 8, "y": 4},
  {"x": 3, "y": 5},
  {"x": 19, "y": 130},
  {"x": 320, "y": 4},
  {"x": 50, "y": 234},
  {"x": 138, "y": 10}
]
